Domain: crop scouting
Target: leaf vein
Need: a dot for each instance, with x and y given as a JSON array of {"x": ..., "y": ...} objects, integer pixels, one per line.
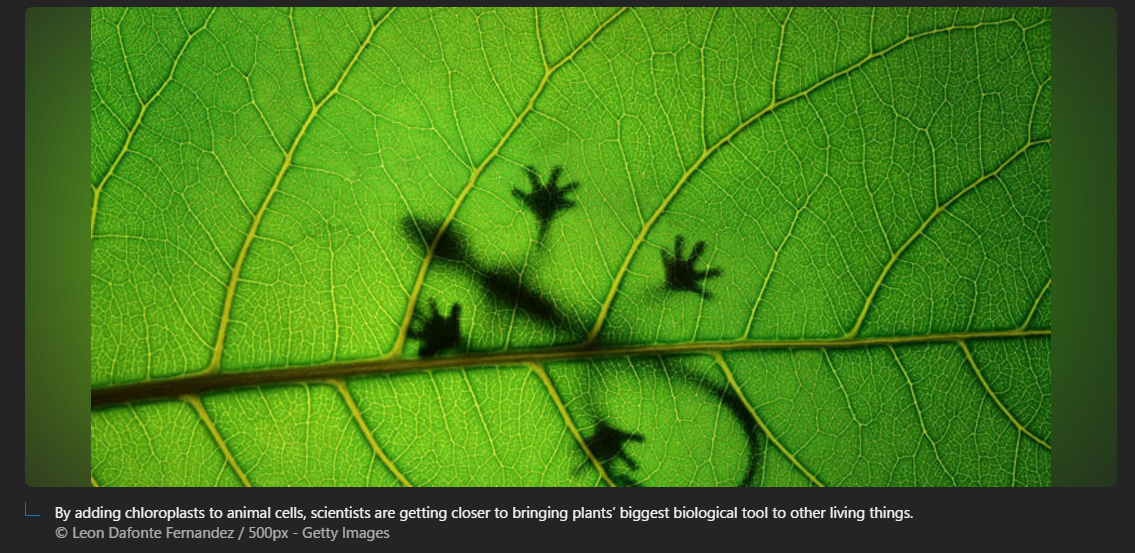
[
  {"x": 357, "y": 415},
  {"x": 415, "y": 291},
  {"x": 234, "y": 279},
  {"x": 204, "y": 382},
  {"x": 993, "y": 395},
  {"x": 138, "y": 121},
  {"x": 195, "y": 402},
  {"x": 706, "y": 154},
  {"x": 760, "y": 422}
]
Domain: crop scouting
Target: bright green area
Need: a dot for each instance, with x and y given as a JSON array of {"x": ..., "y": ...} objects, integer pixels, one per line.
[{"x": 886, "y": 175}]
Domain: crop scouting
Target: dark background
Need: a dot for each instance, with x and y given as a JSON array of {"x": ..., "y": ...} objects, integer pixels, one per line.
[{"x": 1084, "y": 352}]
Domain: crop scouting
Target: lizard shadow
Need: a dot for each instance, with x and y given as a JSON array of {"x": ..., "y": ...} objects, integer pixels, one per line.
[{"x": 504, "y": 287}]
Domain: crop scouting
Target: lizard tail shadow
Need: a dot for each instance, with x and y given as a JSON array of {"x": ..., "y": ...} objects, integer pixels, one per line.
[
  {"x": 507, "y": 289},
  {"x": 738, "y": 411},
  {"x": 606, "y": 437}
]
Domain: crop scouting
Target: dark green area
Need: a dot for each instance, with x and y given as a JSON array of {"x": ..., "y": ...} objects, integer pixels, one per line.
[
  {"x": 57, "y": 288},
  {"x": 1084, "y": 248}
]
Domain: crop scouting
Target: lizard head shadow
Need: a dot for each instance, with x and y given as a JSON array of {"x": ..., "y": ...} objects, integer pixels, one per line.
[{"x": 450, "y": 246}]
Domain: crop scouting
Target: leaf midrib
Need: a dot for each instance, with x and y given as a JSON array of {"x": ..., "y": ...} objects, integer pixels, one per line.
[
  {"x": 211, "y": 382},
  {"x": 592, "y": 338},
  {"x": 331, "y": 372}
]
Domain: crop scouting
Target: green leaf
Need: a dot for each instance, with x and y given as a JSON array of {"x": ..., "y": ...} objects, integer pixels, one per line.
[{"x": 861, "y": 294}]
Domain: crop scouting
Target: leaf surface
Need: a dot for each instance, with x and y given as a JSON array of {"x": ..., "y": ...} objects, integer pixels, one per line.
[{"x": 277, "y": 196}]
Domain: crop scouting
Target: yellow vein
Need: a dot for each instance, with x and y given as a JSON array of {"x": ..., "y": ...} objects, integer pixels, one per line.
[
  {"x": 760, "y": 422},
  {"x": 926, "y": 223},
  {"x": 208, "y": 421},
  {"x": 263, "y": 376},
  {"x": 416, "y": 290},
  {"x": 481, "y": 417},
  {"x": 299, "y": 54},
  {"x": 1020, "y": 427},
  {"x": 539, "y": 371},
  {"x": 779, "y": 50},
  {"x": 847, "y": 400},
  {"x": 125, "y": 58},
  {"x": 539, "y": 37},
  {"x": 706, "y": 154},
  {"x": 226, "y": 311},
  {"x": 138, "y": 120},
  {"x": 918, "y": 411},
  {"x": 772, "y": 264},
  {"x": 1036, "y": 304},
  {"x": 94, "y": 483},
  {"x": 353, "y": 407}
]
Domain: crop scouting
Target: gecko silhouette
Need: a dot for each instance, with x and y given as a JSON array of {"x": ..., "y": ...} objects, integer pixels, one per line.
[{"x": 503, "y": 286}]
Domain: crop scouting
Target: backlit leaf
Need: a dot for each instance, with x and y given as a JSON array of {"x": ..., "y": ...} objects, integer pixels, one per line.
[{"x": 860, "y": 294}]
